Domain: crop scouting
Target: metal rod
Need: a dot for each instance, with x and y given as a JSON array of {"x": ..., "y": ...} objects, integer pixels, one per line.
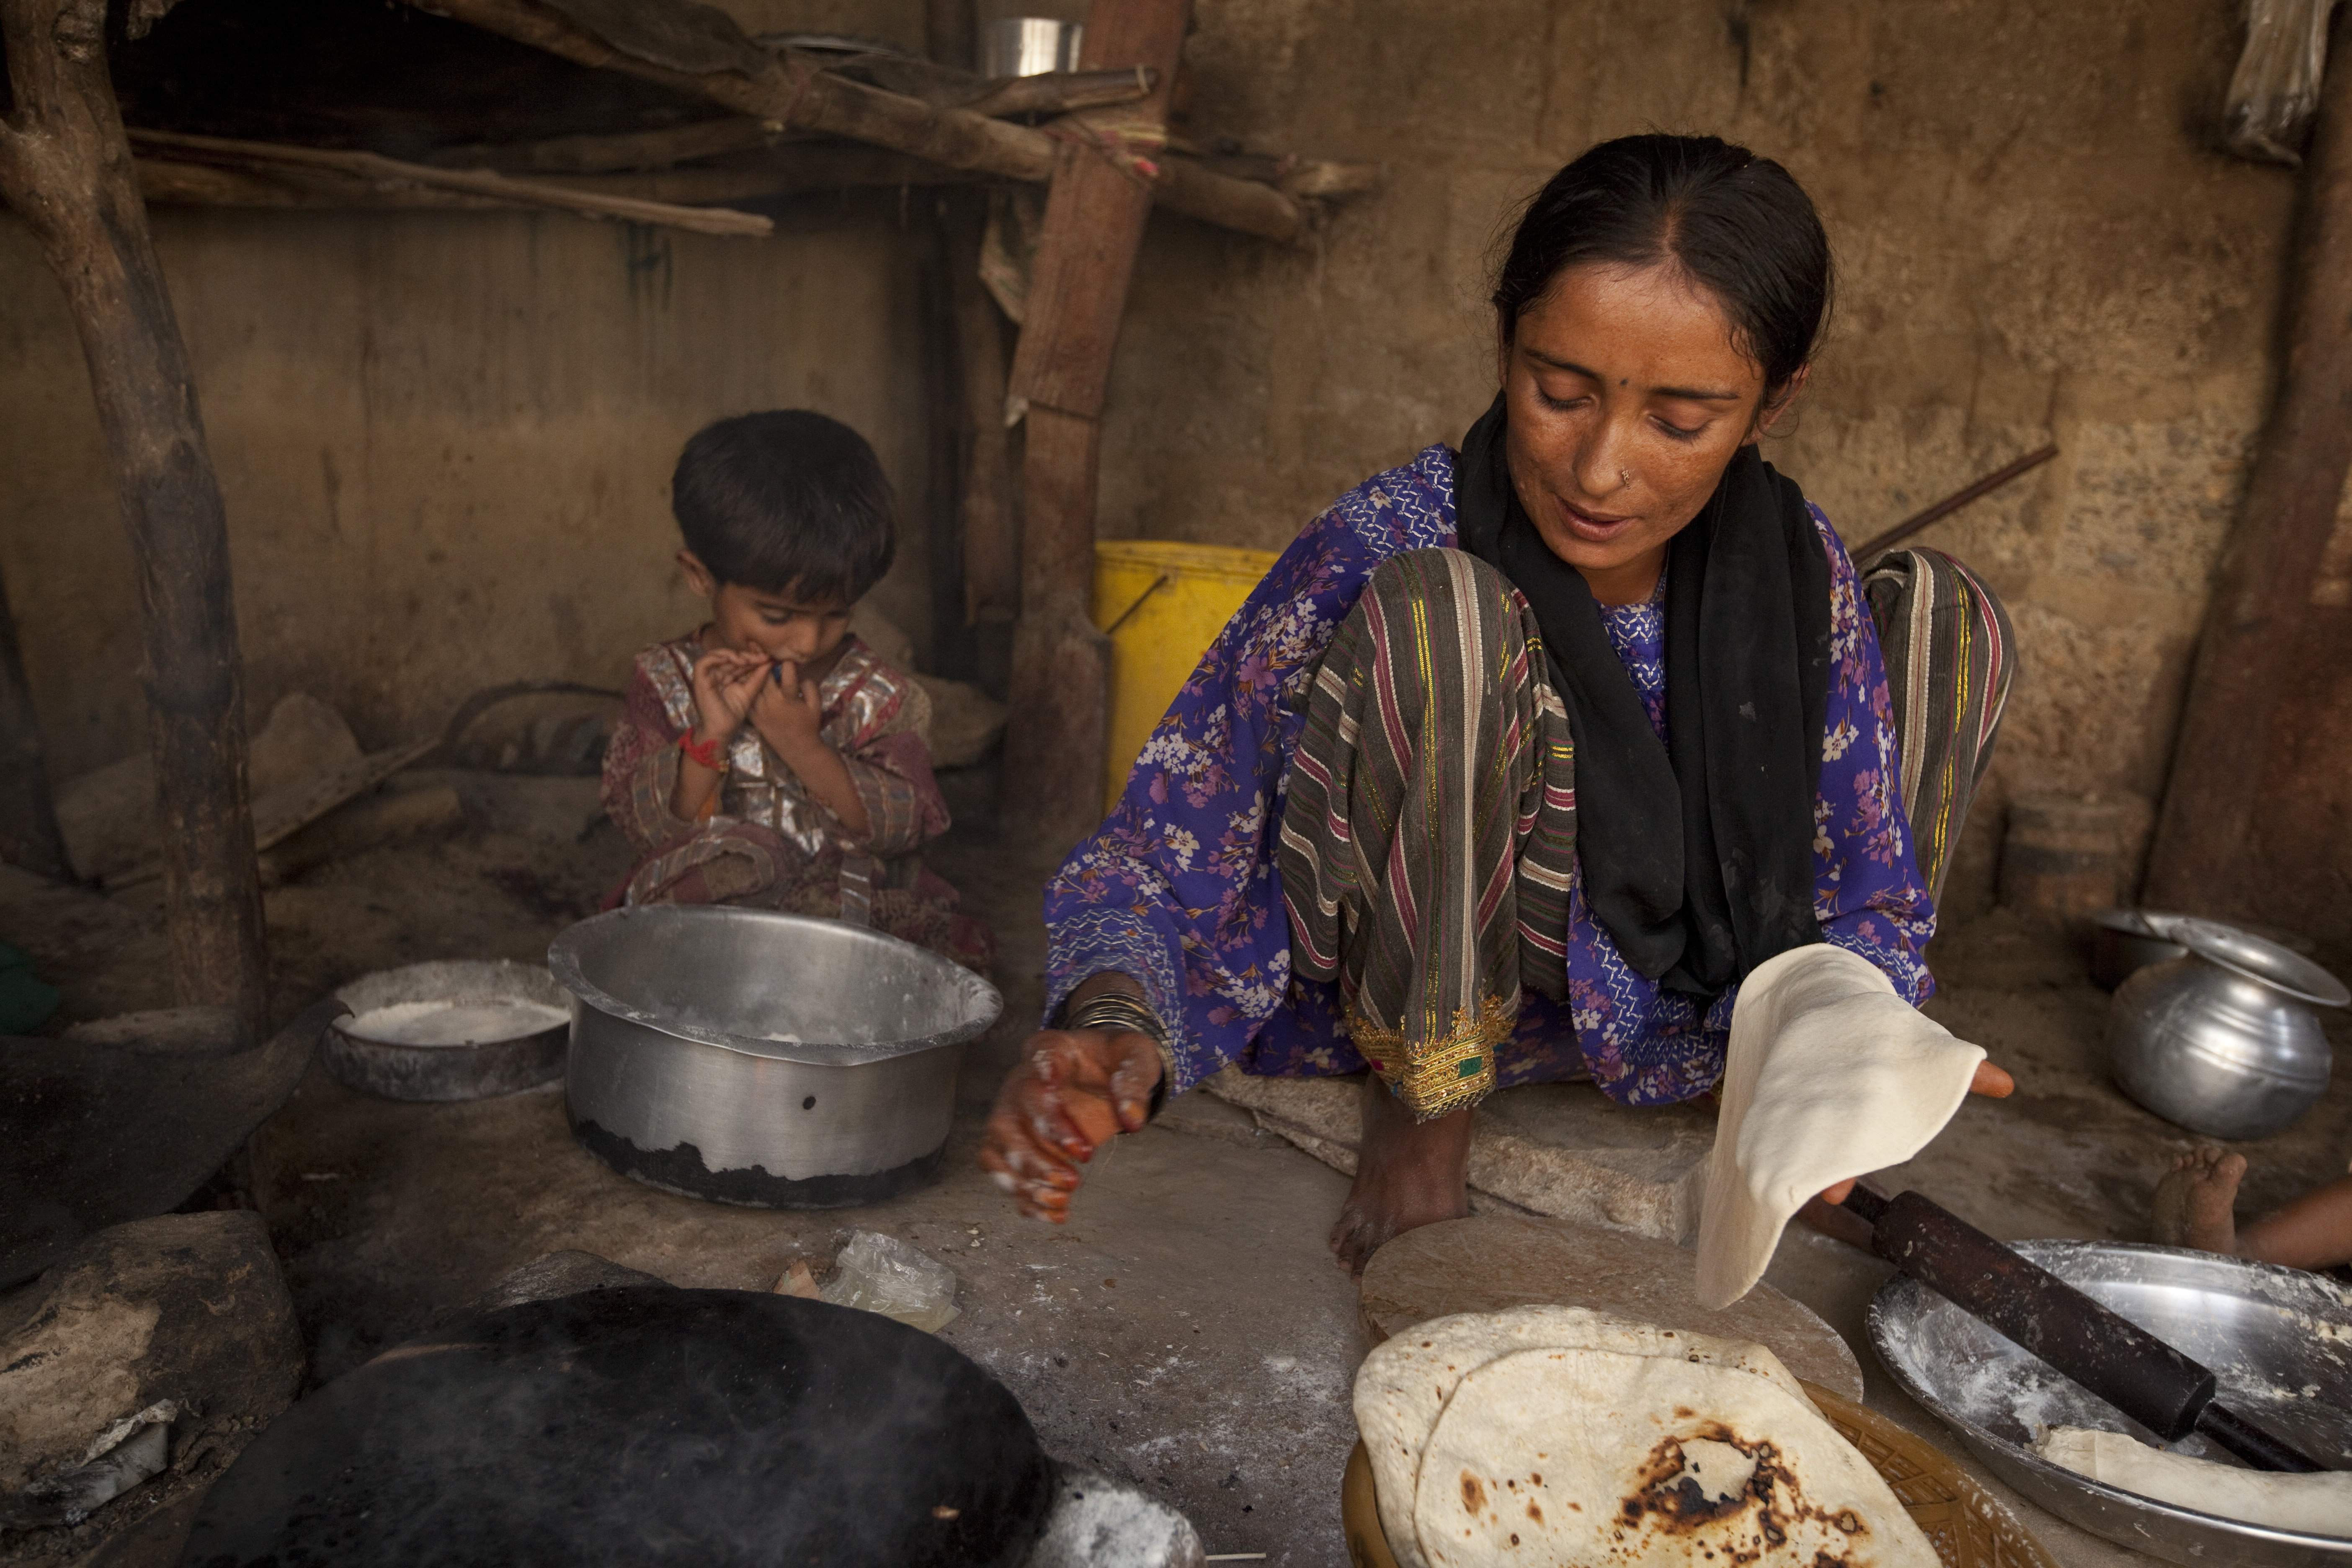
[{"x": 1952, "y": 503}]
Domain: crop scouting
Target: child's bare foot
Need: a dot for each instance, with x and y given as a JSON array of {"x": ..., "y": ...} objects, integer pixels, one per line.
[
  {"x": 2197, "y": 1201},
  {"x": 1408, "y": 1174}
]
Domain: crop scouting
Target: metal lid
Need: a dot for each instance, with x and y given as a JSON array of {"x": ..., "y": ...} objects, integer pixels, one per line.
[{"x": 2260, "y": 960}]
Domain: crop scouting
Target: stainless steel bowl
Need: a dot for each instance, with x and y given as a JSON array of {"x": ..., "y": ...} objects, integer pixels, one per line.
[
  {"x": 2275, "y": 1337},
  {"x": 2223, "y": 1039},
  {"x": 763, "y": 1058}
]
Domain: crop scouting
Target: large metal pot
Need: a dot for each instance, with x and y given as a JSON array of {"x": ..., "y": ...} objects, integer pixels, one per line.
[
  {"x": 763, "y": 1058},
  {"x": 2223, "y": 1039}
]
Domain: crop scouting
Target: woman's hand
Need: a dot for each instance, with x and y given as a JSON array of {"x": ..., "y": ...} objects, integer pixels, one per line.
[
  {"x": 726, "y": 682},
  {"x": 1992, "y": 1082},
  {"x": 1072, "y": 1091}
]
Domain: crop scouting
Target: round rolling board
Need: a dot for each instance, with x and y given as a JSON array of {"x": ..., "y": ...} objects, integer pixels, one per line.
[{"x": 1491, "y": 1262}]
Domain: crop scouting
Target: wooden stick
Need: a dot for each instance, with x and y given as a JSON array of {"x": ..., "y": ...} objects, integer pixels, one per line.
[
  {"x": 1058, "y": 732},
  {"x": 65, "y": 166},
  {"x": 798, "y": 93},
  {"x": 612, "y": 153},
  {"x": 465, "y": 182},
  {"x": 1872, "y": 549},
  {"x": 2246, "y": 656},
  {"x": 991, "y": 528},
  {"x": 787, "y": 171},
  {"x": 29, "y": 836},
  {"x": 1060, "y": 92}
]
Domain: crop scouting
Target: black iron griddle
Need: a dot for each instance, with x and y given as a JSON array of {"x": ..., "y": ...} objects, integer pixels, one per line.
[{"x": 643, "y": 1425}]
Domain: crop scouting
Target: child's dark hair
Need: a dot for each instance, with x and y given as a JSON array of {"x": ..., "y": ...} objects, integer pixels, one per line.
[{"x": 785, "y": 501}]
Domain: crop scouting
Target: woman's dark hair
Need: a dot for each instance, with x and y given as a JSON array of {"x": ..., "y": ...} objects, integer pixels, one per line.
[
  {"x": 787, "y": 501},
  {"x": 1737, "y": 223}
]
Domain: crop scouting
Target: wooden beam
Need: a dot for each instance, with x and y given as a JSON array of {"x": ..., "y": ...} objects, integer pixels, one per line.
[
  {"x": 66, "y": 167},
  {"x": 1059, "y": 734},
  {"x": 479, "y": 183},
  {"x": 29, "y": 836},
  {"x": 799, "y": 92},
  {"x": 2200, "y": 859}
]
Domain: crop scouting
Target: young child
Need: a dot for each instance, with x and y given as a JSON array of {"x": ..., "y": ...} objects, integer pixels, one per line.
[
  {"x": 770, "y": 758},
  {"x": 2197, "y": 1202}
]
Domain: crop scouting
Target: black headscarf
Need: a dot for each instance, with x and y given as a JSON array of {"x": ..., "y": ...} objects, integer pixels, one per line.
[{"x": 1697, "y": 855}]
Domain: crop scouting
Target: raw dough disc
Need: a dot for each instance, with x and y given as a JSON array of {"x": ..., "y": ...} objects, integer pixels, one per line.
[
  {"x": 2314, "y": 1504},
  {"x": 1830, "y": 1074}
]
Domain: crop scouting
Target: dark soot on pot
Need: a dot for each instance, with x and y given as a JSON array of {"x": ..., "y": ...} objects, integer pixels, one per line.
[
  {"x": 683, "y": 1170},
  {"x": 639, "y": 1425}
]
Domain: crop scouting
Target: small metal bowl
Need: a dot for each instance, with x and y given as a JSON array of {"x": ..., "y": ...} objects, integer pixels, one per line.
[
  {"x": 2270, "y": 1334},
  {"x": 456, "y": 1030}
]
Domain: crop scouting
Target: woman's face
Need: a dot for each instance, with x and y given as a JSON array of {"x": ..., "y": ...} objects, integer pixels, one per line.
[{"x": 1628, "y": 397}]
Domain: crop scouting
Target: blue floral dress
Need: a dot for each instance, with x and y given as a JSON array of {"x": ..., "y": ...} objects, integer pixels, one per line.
[{"x": 1179, "y": 887}]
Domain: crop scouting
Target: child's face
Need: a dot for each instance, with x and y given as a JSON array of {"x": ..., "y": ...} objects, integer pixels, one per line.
[{"x": 787, "y": 626}]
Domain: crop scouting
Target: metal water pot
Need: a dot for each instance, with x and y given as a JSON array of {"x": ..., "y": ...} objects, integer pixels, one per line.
[{"x": 2224, "y": 1040}]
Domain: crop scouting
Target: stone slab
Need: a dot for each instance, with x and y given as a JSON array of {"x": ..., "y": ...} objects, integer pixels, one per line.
[
  {"x": 1564, "y": 1150},
  {"x": 1490, "y": 1262}
]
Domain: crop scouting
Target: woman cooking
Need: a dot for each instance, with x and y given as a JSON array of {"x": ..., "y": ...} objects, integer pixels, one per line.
[{"x": 1520, "y": 759}]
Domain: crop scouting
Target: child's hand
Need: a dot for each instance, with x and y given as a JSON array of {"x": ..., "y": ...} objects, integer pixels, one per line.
[
  {"x": 787, "y": 711},
  {"x": 726, "y": 683}
]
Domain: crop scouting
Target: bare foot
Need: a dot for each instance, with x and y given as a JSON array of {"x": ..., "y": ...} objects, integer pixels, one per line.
[
  {"x": 2197, "y": 1200},
  {"x": 1408, "y": 1174}
]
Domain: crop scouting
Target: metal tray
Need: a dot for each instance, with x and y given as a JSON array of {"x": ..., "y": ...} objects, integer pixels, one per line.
[{"x": 2279, "y": 1339}]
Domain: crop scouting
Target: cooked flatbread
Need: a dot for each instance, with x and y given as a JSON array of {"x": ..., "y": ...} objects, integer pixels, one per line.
[
  {"x": 1403, "y": 1385},
  {"x": 2317, "y": 1504},
  {"x": 1588, "y": 1458}
]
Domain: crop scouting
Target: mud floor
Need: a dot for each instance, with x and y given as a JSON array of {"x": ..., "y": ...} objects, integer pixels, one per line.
[{"x": 1186, "y": 1330}]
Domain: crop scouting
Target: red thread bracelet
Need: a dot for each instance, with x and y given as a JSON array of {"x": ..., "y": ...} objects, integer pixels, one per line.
[{"x": 708, "y": 753}]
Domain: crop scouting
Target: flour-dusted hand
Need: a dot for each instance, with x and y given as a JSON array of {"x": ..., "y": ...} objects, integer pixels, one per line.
[
  {"x": 726, "y": 683},
  {"x": 1072, "y": 1091}
]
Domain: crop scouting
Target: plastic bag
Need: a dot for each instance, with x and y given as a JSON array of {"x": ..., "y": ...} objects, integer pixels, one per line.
[
  {"x": 2275, "y": 89},
  {"x": 878, "y": 1273}
]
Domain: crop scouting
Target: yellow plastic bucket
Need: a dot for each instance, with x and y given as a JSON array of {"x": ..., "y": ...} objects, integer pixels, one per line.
[{"x": 1162, "y": 606}]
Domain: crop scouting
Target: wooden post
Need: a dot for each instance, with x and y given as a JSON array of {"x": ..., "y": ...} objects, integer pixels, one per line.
[
  {"x": 65, "y": 166},
  {"x": 2261, "y": 594},
  {"x": 991, "y": 518},
  {"x": 946, "y": 434},
  {"x": 28, "y": 817},
  {"x": 1095, "y": 213}
]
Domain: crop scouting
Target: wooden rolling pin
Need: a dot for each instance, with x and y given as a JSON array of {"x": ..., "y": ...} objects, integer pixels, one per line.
[{"x": 2114, "y": 1358}]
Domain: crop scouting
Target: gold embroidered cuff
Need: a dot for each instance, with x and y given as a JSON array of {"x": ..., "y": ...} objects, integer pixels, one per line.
[{"x": 1435, "y": 1077}]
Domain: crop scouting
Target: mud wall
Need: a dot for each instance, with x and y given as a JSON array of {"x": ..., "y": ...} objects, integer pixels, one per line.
[
  {"x": 444, "y": 437},
  {"x": 2036, "y": 243}
]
